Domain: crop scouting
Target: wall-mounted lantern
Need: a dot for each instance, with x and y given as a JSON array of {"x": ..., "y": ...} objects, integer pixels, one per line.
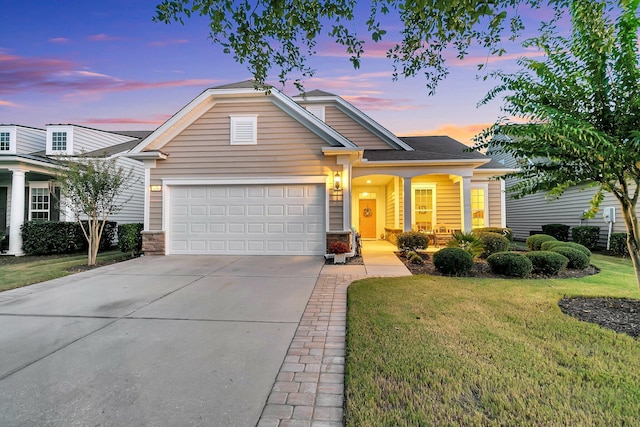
[
  {"x": 337, "y": 182},
  {"x": 155, "y": 188}
]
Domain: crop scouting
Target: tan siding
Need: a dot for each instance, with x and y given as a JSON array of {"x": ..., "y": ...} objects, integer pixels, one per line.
[
  {"x": 495, "y": 204},
  {"x": 390, "y": 208},
  {"x": 202, "y": 150},
  {"x": 447, "y": 199},
  {"x": 353, "y": 130},
  {"x": 336, "y": 218}
]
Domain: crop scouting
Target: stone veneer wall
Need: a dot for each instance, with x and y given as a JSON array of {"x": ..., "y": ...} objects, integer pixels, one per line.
[
  {"x": 153, "y": 242},
  {"x": 391, "y": 234},
  {"x": 338, "y": 236}
]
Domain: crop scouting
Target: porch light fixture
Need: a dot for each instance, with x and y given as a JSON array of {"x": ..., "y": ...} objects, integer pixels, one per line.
[
  {"x": 155, "y": 188},
  {"x": 337, "y": 182}
]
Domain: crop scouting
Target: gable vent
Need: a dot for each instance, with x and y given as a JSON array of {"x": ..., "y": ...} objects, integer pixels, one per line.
[
  {"x": 316, "y": 110},
  {"x": 244, "y": 130}
]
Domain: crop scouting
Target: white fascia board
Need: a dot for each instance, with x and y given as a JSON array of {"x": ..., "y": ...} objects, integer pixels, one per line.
[
  {"x": 265, "y": 180},
  {"x": 147, "y": 155},
  {"x": 465, "y": 162},
  {"x": 310, "y": 120},
  {"x": 494, "y": 171},
  {"x": 17, "y": 159},
  {"x": 337, "y": 151},
  {"x": 359, "y": 116}
]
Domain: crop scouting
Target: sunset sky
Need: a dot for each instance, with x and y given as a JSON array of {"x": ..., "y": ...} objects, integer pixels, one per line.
[{"x": 105, "y": 64}]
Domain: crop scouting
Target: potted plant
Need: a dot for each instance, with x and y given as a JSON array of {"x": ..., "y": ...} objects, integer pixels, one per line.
[{"x": 339, "y": 249}]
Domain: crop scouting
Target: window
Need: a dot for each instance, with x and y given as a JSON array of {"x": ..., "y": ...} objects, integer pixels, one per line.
[
  {"x": 39, "y": 206},
  {"x": 244, "y": 130},
  {"x": 58, "y": 141},
  {"x": 5, "y": 141},
  {"x": 478, "y": 207},
  {"x": 424, "y": 214}
]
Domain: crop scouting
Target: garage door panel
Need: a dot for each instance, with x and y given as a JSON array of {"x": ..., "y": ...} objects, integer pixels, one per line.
[{"x": 251, "y": 219}]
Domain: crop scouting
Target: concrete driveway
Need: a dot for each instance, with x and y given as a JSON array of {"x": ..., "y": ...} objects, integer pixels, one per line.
[{"x": 157, "y": 341}]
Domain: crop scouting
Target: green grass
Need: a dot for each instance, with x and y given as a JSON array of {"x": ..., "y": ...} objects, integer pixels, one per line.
[
  {"x": 428, "y": 350},
  {"x": 16, "y": 272}
]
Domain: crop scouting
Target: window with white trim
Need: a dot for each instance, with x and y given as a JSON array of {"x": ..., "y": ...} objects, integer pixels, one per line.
[
  {"x": 58, "y": 141},
  {"x": 39, "y": 201},
  {"x": 424, "y": 207},
  {"x": 479, "y": 207},
  {"x": 5, "y": 141},
  {"x": 244, "y": 130}
]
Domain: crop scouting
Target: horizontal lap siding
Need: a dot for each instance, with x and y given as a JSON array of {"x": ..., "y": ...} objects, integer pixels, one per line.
[
  {"x": 285, "y": 148},
  {"x": 354, "y": 131},
  {"x": 87, "y": 140},
  {"x": 390, "y": 207},
  {"x": 495, "y": 204},
  {"x": 447, "y": 199},
  {"x": 30, "y": 140},
  {"x": 133, "y": 210}
]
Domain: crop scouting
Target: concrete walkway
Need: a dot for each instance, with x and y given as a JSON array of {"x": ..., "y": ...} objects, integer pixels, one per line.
[{"x": 309, "y": 390}]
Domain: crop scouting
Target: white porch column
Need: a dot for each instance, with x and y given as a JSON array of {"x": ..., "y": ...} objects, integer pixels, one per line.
[
  {"x": 408, "y": 220},
  {"x": 465, "y": 203},
  {"x": 17, "y": 211},
  {"x": 503, "y": 204}
]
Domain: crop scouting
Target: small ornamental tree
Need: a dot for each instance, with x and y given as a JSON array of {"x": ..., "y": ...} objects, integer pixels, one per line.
[{"x": 92, "y": 189}]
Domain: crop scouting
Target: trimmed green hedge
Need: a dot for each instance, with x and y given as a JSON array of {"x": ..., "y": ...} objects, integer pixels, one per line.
[
  {"x": 534, "y": 242},
  {"x": 453, "y": 261},
  {"x": 586, "y": 235},
  {"x": 546, "y": 262},
  {"x": 618, "y": 244},
  {"x": 559, "y": 231},
  {"x": 506, "y": 232},
  {"x": 412, "y": 241},
  {"x": 510, "y": 264},
  {"x": 547, "y": 246},
  {"x": 47, "y": 237},
  {"x": 577, "y": 259},
  {"x": 130, "y": 238},
  {"x": 492, "y": 243}
]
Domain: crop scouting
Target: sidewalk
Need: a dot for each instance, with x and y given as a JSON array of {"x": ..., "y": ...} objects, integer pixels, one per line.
[{"x": 309, "y": 390}]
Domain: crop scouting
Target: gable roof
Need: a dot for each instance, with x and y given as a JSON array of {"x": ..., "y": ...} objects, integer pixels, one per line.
[
  {"x": 203, "y": 102},
  {"x": 319, "y": 96}
]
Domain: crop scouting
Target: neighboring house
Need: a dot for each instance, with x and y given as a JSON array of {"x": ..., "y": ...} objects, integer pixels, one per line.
[
  {"x": 29, "y": 158},
  {"x": 240, "y": 171},
  {"x": 527, "y": 215}
]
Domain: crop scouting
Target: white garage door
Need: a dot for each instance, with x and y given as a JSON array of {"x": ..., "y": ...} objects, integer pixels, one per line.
[{"x": 247, "y": 219}]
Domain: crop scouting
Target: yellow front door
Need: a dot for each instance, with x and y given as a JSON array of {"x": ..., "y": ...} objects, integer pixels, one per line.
[{"x": 367, "y": 218}]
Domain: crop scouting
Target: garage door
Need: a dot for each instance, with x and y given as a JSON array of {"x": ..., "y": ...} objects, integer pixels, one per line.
[{"x": 247, "y": 219}]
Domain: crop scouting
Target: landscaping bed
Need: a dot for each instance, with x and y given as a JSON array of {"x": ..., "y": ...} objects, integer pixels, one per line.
[{"x": 618, "y": 314}]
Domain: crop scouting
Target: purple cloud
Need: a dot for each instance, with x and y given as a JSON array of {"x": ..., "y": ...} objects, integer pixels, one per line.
[
  {"x": 59, "y": 40},
  {"x": 103, "y": 38},
  {"x": 371, "y": 103},
  {"x": 156, "y": 120},
  {"x": 168, "y": 42}
]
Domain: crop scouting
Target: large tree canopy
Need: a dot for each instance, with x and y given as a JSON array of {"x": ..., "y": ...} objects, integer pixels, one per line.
[
  {"x": 283, "y": 34},
  {"x": 575, "y": 116}
]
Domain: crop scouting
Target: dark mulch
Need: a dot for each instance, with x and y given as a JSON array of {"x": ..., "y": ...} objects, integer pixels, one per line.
[
  {"x": 356, "y": 260},
  {"x": 618, "y": 314}
]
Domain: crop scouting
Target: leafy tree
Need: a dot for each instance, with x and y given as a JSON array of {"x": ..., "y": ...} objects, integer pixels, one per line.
[
  {"x": 93, "y": 188},
  {"x": 575, "y": 115},
  {"x": 283, "y": 33}
]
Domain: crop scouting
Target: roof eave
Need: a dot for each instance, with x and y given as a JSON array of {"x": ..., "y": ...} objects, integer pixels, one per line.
[
  {"x": 148, "y": 155},
  {"x": 466, "y": 162}
]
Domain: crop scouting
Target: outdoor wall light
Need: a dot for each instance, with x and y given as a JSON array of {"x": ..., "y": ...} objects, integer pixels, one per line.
[
  {"x": 155, "y": 188},
  {"x": 337, "y": 182}
]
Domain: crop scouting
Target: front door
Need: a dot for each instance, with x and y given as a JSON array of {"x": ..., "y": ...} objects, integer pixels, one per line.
[{"x": 367, "y": 218}]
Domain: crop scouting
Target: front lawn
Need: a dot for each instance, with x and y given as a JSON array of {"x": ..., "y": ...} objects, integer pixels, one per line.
[
  {"x": 22, "y": 271},
  {"x": 431, "y": 350}
]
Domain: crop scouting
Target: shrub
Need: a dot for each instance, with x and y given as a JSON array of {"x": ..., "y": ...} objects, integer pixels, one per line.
[
  {"x": 577, "y": 259},
  {"x": 453, "y": 261},
  {"x": 534, "y": 242},
  {"x": 510, "y": 264},
  {"x": 338, "y": 248},
  {"x": 493, "y": 242},
  {"x": 559, "y": 231},
  {"x": 130, "y": 238},
  {"x": 546, "y": 262},
  {"x": 412, "y": 241},
  {"x": 45, "y": 237},
  {"x": 506, "y": 232},
  {"x": 618, "y": 244},
  {"x": 547, "y": 246},
  {"x": 467, "y": 242},
  {"x": 414, "y": 258},
  {"x": 586, "y": 235}
]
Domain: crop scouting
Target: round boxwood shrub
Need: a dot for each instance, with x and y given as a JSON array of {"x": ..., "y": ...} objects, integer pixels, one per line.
[
  {"x": 577, "y": 259},
  {"x": 510, "y": 264},
  {"x": 534, "y": 242},
  {"x": 453, "y": 261},
  {"x": 506, "y": 232},
  {"x": 547, "y": 246},
  {"x": 547, "y": 262},
  {"x": 492, "y": 243},
  {"x": 412, "y": 241}
]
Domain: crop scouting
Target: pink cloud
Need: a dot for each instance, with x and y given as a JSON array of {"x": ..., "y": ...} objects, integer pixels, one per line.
[
  {"x": 103, "y": 38},
  {"x": 371, "y": 49},
  {"x": 59, "y": 40},
  {"x": 19, "y": 74},
  {"x": 168, "y": 42},
  {"x": 7, "y": 104},
  {"x": 475, "y": 60},
  {"x": 156, "y": 120},
  {"x": 462, "y": 133},
  {"x": 374, "y": 103},
  {"x": 359, "y": 82}
]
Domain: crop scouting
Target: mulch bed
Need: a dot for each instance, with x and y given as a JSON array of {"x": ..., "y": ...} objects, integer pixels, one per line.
[
  {"x": 356, "y": 260},
  {"x": 617, "y": 314}
]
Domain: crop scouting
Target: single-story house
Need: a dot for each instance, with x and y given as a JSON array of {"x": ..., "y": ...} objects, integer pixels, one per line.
[
  {"x": 246, "y": 171},
  {"x": 528, "y": 214},
  {"x": 29, "y": 158}
]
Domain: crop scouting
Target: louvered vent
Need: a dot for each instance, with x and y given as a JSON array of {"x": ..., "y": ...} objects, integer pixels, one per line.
[{"x": 244, "y": 130}]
